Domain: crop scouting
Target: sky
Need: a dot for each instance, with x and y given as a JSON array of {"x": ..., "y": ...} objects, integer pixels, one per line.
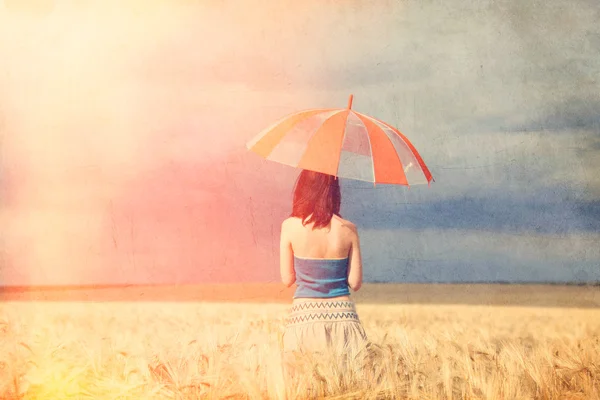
[{"x": 123, "y": 128}]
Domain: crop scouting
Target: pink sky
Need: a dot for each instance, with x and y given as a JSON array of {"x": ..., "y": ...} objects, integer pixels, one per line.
[{"x": 123, "y": 157}]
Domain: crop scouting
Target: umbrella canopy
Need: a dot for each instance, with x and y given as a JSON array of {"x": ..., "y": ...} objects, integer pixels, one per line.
[{"x": 343, "y": 143}]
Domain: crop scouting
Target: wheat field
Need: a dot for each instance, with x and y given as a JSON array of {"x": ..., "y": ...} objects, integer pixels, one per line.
[{"x": 188, "y": 350}]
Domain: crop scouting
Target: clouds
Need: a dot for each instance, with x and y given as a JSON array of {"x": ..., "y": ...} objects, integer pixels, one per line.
[
  {"x": 460, "y": 255},
  {"x": 547, "y": 213},
  {"x": 566, "y": 114}
]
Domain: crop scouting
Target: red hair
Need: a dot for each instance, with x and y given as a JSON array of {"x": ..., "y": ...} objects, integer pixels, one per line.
[{"x": 317, "y": 198}]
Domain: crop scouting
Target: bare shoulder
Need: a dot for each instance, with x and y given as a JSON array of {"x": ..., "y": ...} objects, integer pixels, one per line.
[
  {"x": 287, "y": 222},
  {"x": 290, "y": 223},
  {"x": 346, "y": 225}
]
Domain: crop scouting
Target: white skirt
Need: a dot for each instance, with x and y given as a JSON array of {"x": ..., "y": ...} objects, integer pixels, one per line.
[{"x": 323, "y": 327}]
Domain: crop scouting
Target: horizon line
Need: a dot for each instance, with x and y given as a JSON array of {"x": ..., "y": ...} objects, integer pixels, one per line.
[{"x": 17, "y": 288}]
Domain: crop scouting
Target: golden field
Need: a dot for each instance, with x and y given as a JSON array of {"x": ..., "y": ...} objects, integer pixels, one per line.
[{"x": 200, "y": 349}]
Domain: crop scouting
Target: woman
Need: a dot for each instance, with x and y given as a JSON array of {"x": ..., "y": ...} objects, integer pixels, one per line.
[{"x": 320, "y": 253}]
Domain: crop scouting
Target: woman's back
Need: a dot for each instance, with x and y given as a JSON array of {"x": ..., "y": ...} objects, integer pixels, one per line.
[
  {"x": 323, "y": 262},
  {"x": 330, "y": 242}
]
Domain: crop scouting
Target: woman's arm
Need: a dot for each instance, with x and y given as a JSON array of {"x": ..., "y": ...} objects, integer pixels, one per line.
[
  {"x": 355, "y": 273},
  {"x": 286, "y": 257}
]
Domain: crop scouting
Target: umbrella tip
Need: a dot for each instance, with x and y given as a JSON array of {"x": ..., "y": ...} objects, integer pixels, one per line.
[{"x": 350, "y": 101}]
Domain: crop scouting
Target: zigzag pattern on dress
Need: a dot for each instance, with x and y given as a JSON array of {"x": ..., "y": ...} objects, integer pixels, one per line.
[
  {"x": 323, "y": 305},
  {"x": 322, "y": 317}
]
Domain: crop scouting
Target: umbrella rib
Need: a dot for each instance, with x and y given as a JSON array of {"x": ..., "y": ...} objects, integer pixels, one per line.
[
  {"x": 409, "y": 145},
  {"x": 265, "y": 131},
  {"x": 370, "y": 149},
  {"x": 337, "y": 170},
  {"x": 392, "y": 143},
  {"x": 334, "y": 113}
]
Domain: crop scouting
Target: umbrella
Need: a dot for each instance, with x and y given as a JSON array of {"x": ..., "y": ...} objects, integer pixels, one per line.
[{"x": 343, "y": 143}]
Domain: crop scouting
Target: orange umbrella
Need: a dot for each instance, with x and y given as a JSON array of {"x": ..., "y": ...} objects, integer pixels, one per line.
[{"x": 344, "y": 143}]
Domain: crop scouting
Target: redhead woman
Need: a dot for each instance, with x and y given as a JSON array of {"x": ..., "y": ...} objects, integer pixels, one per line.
[{"x": 320, "y": 253}]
